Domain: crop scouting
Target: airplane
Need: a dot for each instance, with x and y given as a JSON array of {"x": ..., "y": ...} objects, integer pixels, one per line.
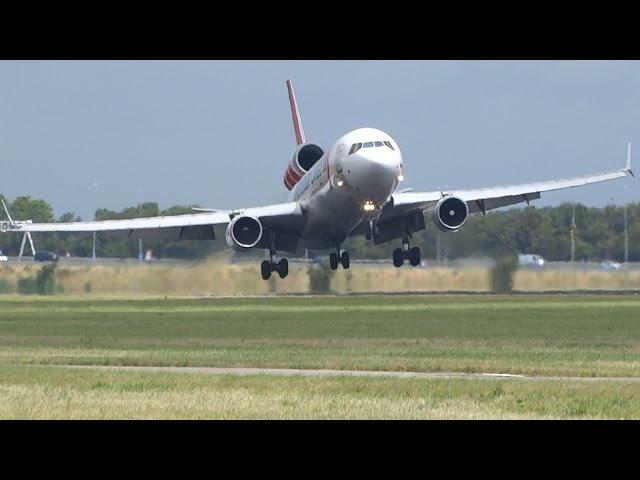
[{"x": 348, "y": 190}]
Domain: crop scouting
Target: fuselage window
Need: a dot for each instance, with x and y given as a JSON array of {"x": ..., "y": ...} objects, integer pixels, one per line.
[
  {"x": 388, "y": 144},
  {"x": 355, "y": 147},
  {"x": 367, "y": 145}
]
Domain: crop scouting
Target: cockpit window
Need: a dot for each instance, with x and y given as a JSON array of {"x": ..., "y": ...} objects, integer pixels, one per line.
[{"x": 355, "y": 147}]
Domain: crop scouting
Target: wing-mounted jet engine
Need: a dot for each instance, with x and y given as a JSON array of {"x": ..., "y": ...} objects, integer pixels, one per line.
[
  {"x": 450, "y": 214},
  {"x": 244, "y": 232}
]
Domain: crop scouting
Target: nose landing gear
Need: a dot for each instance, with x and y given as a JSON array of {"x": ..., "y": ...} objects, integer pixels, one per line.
[
  {"x": 339, "y": 257},
  {"x": 406, "y": 253}
]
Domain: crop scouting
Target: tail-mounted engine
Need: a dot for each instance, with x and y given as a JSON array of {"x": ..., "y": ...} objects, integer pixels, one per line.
[
  {"x": 304, "y": 157},
  {"x": 450, "y": 214},
  {"x": 243, "y": 232}
]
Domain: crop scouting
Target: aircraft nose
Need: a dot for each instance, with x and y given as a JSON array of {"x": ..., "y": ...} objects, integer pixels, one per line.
[{"x": 372, "y": 173}]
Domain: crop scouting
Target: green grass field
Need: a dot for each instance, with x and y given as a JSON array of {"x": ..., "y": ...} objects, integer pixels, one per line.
[{"x": 579, "y": 336}]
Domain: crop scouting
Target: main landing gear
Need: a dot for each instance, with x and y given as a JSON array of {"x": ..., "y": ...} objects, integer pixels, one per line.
[
  {"x": 406, "y": 253},
  {"x": 282, "y": 267},
  {"x": 271, "y": 265},
  {"x": 339, "y": 257}
]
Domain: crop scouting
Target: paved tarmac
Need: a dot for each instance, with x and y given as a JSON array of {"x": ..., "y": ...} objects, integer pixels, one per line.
[{"x": 290, "y": 372}]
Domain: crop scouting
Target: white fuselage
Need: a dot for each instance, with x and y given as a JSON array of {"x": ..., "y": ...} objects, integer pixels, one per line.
[{"x": 342, "y": 188}]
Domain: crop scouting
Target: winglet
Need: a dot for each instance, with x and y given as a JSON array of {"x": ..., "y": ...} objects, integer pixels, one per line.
[
  {"x": 295, "y": 115},
  {"x": 628, "y": 167}
]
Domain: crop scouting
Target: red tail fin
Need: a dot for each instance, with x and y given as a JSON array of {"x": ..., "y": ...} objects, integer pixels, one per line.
[{"x": 295, "y": 115}]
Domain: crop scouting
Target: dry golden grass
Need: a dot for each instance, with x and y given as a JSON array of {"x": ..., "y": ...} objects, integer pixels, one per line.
[
  {"x": 216, "y": 277},
  {"x": 219, "y": 278},
  {"x": 390, "y": 279},
  {"x": 541, "y": 280},
  {"x": 206, "y": 278}
]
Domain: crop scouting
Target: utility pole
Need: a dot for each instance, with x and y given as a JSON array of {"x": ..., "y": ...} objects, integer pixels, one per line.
[
  {"x": 140, "y": 255},
  {"x": 573, "y": 236},
  {"x": 626, "y": 236},
  {"x": 93, "y": 251}
]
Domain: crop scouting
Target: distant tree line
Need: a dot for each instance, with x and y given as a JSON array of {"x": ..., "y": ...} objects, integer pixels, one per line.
[{"x": 599, "y": 234}]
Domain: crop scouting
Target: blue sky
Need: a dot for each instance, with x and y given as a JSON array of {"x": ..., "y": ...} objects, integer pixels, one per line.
[{"x": 111, "y": 134}]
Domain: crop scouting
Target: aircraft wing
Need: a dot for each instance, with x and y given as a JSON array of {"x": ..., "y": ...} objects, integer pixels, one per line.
[
  {"x": 198, "y": 226},
  {"x": 483, "y": 199}
]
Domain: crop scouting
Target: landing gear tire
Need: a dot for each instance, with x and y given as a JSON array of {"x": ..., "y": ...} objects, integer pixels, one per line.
[
  {"x": 333, "y": 261},
  {"x": 398, "y": 257},
  {"x": 414, "y": 256},
  {"x": 344, "y": 260},
  {"x": 283, "y": 268},
  {"x": 265, "y": 269}
]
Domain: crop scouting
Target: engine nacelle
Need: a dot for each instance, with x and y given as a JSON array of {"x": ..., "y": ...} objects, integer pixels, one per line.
[
  {"x": 243, "y": 232},
  {"x": 450, "y": 214},
  {"x": 304, "y": 157}
]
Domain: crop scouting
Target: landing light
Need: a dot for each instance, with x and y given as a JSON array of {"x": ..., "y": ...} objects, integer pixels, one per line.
[
  {"x": 369, "y": 206},
  {"x": 400, "y": 177}
]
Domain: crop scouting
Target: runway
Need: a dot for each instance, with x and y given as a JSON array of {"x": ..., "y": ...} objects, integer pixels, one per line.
[{"x": 290, "y": 372}]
